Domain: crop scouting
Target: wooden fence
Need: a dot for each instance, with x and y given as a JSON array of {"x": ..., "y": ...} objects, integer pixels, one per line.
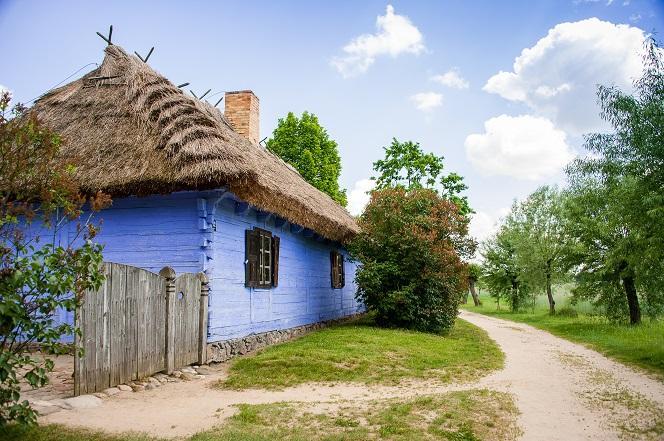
[{"x": 139, "y": 323}]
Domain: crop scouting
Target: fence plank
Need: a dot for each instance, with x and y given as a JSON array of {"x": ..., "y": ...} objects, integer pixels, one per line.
[{"x": 135, "y": 325}]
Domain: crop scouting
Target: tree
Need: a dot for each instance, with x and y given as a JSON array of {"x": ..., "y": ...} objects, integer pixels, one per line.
[
  {"x": 474, "y": 275},
  {"x": 37, "y": 277},
  {"x": 539, "y": 240},
  {"x": 602, "y": 253},
  {"x": 627, "y": 166},
  {"x": 410, "y": 247},
  {"x": 501, "y": 273},
  {"x": 406, "y": 165},
  {"x": 305, "y": 144}
]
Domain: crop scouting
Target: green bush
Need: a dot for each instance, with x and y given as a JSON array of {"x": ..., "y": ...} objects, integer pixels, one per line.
[
  {"x": 411, "y": 273},
  {"x": 567, "y": 311}
]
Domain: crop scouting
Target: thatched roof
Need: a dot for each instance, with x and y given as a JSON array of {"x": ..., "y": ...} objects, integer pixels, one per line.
[{"x": 132, "y": 132}]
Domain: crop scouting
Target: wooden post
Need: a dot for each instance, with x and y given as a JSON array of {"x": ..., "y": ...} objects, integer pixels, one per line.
[
  {"x": 203, "y": 318},
  {"x": 78, "y": 352},
  {"x": 169, "y": 274}
]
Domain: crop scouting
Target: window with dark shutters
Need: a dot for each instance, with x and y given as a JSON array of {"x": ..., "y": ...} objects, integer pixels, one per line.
[
  {"x": 275, "y": 261},
  {"x": 262, "y": 258},
  {"x": 337, "y": 273}
]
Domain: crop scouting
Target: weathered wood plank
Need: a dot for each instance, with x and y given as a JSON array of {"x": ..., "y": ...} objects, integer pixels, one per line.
[{"x": 136, "y": 325}]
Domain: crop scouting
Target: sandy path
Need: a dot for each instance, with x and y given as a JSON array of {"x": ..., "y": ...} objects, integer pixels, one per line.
[{"x": 559, "y": 387}]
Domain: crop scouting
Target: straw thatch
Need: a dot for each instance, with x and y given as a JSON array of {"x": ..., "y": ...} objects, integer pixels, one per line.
[{"x": 132, "y": 132}]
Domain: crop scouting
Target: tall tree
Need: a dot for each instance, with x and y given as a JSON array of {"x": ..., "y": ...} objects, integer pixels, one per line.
[
  {"x": 501, "y": 273},
  {"x": 305, "y": 144},
  {"x": 406, "y": 165},
  {"x": 539, "y": 240},
  {"x": 603, "y": 252},
  {"x": 627, "y": 165}
]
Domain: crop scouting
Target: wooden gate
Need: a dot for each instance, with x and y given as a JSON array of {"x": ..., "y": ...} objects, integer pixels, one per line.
[{"x": 139, "y": 323}]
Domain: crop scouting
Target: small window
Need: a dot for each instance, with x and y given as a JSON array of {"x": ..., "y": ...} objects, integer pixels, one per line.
[
  {"x": 337, "y": 272},
  {"x": 262, "y": 259}
]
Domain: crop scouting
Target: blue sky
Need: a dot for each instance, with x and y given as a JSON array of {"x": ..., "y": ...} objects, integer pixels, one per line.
[{"x": 448, "y": 74}]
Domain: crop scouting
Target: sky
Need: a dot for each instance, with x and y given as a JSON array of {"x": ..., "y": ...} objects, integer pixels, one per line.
[{"x": 503, "y": 90}]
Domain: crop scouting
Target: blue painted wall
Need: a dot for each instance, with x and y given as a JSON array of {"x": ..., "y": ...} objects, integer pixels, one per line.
[
  {"x": 200, "y": 231},
  {"x": 304, "y": 294}
]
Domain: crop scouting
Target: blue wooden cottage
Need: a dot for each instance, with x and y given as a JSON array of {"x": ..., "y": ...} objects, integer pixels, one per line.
[{"x": 192, "y": 189}]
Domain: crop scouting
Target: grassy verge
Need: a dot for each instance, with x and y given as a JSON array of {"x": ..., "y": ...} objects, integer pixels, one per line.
[
  {"x": 467, "y": 415},
  {"x": 361, "y": 352},
  {"x": 641, "y": 346}
]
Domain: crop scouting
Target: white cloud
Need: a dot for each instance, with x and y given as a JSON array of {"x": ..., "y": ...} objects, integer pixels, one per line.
[
  {"x": 451, "y": 78},
  {"x": 483, "y": 224},
  {"x": 558, "y": 76},
  {"x": 395, "y": 35},
  {"x": 427, "y": 101},
  {"x": 358, "y": 198},
  {"x": 523, "y": 147}
]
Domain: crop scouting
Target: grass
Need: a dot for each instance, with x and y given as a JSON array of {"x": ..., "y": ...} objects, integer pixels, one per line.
[
  {"x": 641, "y": 346},
  {"x": 358, "y": 351},
  {"x": 455, "y": 416}
]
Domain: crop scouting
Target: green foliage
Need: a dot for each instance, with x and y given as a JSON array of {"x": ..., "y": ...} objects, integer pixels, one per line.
[
  {"x": 501, "y": 274},
  {"x": 474, "y": 271},
  {"x": 37, "y": 278},
  {"x": 617, "y": 190},
  {"x": 359, "y": 351},
  {"x": 410, "y": 248},
  {"x": 539, "y": 240},
  {"x": 406, "y": 165},
  {"x": 601, "y": 250},
  {"x": 305, "y": 144},
  {"x": 567, "y": 311}
]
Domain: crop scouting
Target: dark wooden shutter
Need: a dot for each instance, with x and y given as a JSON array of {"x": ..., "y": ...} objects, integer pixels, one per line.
[
  {"x": 334, "y": 273},
  {"x": 252, "y": 248},
  {"x": 342, "y": 270},
  {"x": 275, "y": 260}
]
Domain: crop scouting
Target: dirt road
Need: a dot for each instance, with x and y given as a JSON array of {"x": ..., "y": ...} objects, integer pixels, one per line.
[{"x": 564, "y": 391}]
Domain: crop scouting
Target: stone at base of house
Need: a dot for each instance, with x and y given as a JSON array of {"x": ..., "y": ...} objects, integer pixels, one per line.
[{"x": 224, "y": 350}]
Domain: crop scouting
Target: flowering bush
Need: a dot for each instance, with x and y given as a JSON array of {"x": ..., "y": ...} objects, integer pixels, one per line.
[{"x": 410, "y": 249}]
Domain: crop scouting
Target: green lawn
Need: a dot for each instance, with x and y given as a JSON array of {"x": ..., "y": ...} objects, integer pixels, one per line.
[
  {"x": 359, "y": 351},
  {"x": 457, "y": 416},
  {"x": 641, "y": 345}
]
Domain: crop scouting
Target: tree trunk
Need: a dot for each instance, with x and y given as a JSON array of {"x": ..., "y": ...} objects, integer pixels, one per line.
[
  {"x": 632, "y": 300},
  {"x": 549, "y": 294},
  {"x": 476, "y": 298},
  {"x": 515, "y": 295}
]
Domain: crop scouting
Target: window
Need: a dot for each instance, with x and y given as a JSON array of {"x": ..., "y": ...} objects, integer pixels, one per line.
[
  {"x": 337, "y": 270},
  {"x": 262, "y": 259}
]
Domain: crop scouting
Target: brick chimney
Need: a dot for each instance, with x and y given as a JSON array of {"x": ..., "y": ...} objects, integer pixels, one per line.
[{"x": 241, "y": 110}]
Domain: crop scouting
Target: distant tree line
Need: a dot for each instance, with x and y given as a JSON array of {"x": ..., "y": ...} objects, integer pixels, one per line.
[{"x": 605, "y": 230}]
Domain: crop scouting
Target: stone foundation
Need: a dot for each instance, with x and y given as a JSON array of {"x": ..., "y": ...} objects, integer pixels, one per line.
[{"x": 224, "y": 350}]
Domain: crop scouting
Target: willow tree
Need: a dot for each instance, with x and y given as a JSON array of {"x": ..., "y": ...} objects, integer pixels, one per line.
[
  {"x": 500, "y": 270},
  {"x": 539, "y": 240},
  {"x": 623, "y": 179}
]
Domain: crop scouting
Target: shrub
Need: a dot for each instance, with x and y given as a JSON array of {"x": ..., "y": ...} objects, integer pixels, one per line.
[
  {"x": 37, "y": 277},
  {"x": 567, "y": 311},
  {"x": 410, "y": 248}
]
